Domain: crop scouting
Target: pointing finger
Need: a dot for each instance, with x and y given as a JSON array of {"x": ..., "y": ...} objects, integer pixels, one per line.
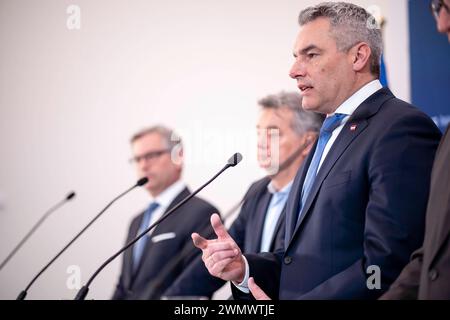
[{"x": 218, "y": 227}]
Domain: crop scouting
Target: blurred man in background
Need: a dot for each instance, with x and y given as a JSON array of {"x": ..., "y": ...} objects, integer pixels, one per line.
[{"x": 158, "y": 155}]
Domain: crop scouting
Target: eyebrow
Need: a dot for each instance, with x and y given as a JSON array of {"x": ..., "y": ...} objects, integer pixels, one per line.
[
  {"x": 272, "y": 127},
  {"x": 305, "y": 50}
]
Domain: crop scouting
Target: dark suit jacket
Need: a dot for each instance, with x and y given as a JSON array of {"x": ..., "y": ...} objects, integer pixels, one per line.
[
  {"x": 192, "y": 215},
  {"x": 366, "y": 207},
  {"x": 427, "y": 276},
  {"x": 247, "y": 232}
]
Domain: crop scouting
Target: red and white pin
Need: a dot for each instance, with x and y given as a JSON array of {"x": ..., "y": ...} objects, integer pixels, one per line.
[{"x": 353, "y": 127}]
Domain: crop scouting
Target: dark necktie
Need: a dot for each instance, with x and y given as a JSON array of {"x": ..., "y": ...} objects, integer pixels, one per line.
[{"x": 138, "y": 248}]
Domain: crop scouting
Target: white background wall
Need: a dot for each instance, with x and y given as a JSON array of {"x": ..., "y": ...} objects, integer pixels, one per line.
[{"x": 70, "y": 99}]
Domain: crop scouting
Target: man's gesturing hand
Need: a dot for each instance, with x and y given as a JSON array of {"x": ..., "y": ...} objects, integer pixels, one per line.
[{"x": 222, "y": 256}]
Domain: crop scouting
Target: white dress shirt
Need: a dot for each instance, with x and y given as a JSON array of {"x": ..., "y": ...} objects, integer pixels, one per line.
[
  {"x": 348, "y": 107},
  {"x": 164, "y": 199},
  {"x": 273, "y": 213}
]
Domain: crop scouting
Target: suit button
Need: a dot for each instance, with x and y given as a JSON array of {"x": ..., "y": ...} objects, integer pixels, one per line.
[
  {"x": 287, "y": 260},
  {"x": 433, "y": 274}
]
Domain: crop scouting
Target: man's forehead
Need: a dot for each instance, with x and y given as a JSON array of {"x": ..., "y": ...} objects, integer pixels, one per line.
[
  {"x": 313, "y": 33},
  {"x": 277, "y": 116},
  {"x": 149, "y": 139}
]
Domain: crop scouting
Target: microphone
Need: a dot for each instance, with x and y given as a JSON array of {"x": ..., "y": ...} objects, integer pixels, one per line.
[
  {"x": 69, "y": 197},
  {"x": 232, "y": 161},
  {"x": 139, "y": 183}
]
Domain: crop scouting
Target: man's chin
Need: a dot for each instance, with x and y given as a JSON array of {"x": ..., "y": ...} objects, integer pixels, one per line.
[
  {"x": 150, "y": 189},
  {"x": 308, "y": 105}
]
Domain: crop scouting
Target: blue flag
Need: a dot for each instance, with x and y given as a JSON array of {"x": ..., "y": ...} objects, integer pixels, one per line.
[{"x": 383, "y": 74}]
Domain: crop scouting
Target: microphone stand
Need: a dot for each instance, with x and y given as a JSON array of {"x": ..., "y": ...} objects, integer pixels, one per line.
[
  {"x": 70, "y": 196},
  {"x": 23, "y": 294}
]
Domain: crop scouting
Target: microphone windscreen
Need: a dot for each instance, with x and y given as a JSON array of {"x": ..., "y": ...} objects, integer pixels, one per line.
[
  {"x": 70, "y": 196},
  {"x": 142, "y": 181},
  {"x": 235, "y": 159}
]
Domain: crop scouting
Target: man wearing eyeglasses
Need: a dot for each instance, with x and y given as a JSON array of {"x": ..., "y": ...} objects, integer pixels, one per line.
[
  {"x": 441, "y": 12},
  {"x": 427, "y": 276},
  {"x": 158, "y": 156}
]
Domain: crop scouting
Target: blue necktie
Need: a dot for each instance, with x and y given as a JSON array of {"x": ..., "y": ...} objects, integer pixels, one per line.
[
  {"x": 138, "y": 248},
  {"x": 327, "y": 129}
]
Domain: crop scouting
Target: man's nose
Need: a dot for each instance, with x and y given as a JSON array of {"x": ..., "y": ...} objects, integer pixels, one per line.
[
  {"x": 297, "y": 70},
  {"x": 443, "y": 21}
]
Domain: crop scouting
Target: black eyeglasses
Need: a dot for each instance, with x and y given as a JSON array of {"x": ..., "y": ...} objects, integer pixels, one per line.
[
  {"x": 149, "y": 156},
  {"x": 436, "y": 6}
]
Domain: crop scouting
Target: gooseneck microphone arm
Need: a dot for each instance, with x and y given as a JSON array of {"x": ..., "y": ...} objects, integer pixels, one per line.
[
  {"x": 69, "y": 197},
  {"x": 188, "y": 251},
  {"x": 81, "y": 295},
  {"x": 23, "y": 294}
]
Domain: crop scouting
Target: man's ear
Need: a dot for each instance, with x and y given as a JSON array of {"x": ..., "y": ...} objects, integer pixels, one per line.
[
  {"x": 360, "y": 55},
  {"x": 177, "y": 155}
]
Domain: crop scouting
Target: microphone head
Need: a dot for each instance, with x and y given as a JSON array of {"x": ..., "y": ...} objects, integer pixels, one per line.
[
  {"x": 235, "y": 159},
  {"x": 70, "y": 196},
  {"x": 142, "y": 181}
]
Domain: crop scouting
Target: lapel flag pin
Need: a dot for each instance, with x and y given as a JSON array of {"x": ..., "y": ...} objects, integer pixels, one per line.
[{"x": 353, "y": 127}]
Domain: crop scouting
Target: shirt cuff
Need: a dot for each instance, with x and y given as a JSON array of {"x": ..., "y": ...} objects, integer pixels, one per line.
[{"x": 243, "y": 286}]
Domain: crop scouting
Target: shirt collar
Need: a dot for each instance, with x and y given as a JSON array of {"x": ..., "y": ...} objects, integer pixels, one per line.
[
  {"x": 166, "y": 197},
  {"x": 351, "y": 104},
  {"x": 284, "y": 190}
]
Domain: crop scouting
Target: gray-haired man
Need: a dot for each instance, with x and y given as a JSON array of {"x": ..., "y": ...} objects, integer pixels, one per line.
[{"x": 157, "y": 154}]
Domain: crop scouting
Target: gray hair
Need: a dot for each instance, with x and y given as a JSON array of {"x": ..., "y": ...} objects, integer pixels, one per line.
[
  {"x": 351, "y": 24},
  {"x": 303, "y": 121},
  {"x": 171, "y": 139}
]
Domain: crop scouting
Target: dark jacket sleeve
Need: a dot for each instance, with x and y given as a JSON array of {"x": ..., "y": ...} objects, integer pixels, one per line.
[
  {"x": 406, "y": 287},
  {"x": 195, "y": 281},
  {"x": 120, "y": 292},
  {"x": 265, "y": 268}
]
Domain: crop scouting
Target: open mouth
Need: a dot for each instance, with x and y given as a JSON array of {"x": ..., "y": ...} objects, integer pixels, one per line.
[{"x": 305, "y": 89}]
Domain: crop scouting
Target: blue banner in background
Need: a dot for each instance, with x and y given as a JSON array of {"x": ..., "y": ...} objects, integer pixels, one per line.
[
  {"x": 383, "y": 73},
  {"x": 430, "y": 64}
]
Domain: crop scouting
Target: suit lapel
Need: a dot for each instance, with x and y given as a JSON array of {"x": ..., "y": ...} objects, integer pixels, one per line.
[
  {"x": 346, "y": 136},
  {"x": 351, "y": 130},
  {"x": 129, "y": 274},
  {"x": 294, "y": 197}
]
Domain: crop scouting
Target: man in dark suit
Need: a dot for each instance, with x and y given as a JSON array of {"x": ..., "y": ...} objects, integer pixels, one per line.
[
  {"x": 427, "y": 276},
  {"x": 357, "y": 206},
  {"x": 158, "y": 156},
  {"x": 285, "y": 136}
]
